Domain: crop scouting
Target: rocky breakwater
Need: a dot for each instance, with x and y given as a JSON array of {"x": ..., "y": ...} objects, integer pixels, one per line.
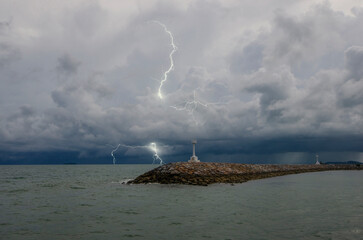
[{"x": 205, "y": 173}]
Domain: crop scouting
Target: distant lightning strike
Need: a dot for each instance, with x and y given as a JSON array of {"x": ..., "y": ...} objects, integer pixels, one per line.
[
  {"x": 151, "y": 147},
  {"x": 113, "y": 151},
  {"x": 156, "y": 157},
  {"x": 165, "y": 78}
]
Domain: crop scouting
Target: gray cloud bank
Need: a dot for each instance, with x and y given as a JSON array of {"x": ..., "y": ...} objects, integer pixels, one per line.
[{"x": 282, "y": 83}]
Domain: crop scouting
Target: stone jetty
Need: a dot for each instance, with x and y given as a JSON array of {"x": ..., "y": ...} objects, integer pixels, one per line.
[{"x": 204, "y": 173}]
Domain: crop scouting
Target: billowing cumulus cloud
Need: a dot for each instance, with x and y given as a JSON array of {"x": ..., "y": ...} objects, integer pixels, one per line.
[{"x": 253, "y": 85}]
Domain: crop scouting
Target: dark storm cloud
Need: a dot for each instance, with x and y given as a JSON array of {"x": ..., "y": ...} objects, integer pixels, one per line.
[
  {"x": 5, "y": 27},
  {"x": 354, "y": 62},
  {"x": 7, "y": 54},
  {"x": 60, "y": 99},
  {"x": 67, "y": 65},
  {"x": 350, "y": 92},
  {"x": 89, "y": 78},
  {"x": 248, "y": 60},
  {"x": 272, "y": 90}
]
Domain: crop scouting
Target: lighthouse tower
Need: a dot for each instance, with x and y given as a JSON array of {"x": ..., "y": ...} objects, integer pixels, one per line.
[
  {"x": 194, "y": 158},
  {"x": 317, "y": 160}
]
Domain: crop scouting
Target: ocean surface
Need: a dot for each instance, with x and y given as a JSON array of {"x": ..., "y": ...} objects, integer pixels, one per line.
[{"x": 90, "y": 202}]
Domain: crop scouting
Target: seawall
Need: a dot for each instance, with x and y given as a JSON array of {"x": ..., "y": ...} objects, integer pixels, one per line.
[{"x": 205, "y": 173}]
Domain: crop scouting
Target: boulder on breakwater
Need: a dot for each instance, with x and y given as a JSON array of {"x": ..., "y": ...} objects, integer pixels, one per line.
[{"x": 205, "y": 173}]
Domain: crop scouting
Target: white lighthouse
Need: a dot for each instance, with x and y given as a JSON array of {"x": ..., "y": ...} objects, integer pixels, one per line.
[
  {"x": 194, "y": 158},
  {"x": 317, "y": 160}
]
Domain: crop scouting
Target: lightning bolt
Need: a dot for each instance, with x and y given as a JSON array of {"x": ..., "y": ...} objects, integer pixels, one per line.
[
  {"x": 151, "y": 146},
  {"x": 191, "y": 106},
  {"x": 113, "y": 151},
  {"x": 165, "y": 78},
  {"x": 156, "y": 157}
]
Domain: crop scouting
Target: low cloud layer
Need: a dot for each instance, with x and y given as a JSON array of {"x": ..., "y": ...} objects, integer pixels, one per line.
[{"x": 269, "y": 86}]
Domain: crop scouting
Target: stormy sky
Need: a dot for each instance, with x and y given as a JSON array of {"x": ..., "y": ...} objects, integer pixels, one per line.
[{"x": 267, "y": 81}]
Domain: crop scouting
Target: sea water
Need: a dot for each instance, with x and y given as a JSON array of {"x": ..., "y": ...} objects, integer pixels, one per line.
[{"x": 90, "y": 202}]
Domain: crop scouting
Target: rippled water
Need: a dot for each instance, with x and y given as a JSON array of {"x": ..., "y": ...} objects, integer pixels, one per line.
[{"x": 89, "y": 202}]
